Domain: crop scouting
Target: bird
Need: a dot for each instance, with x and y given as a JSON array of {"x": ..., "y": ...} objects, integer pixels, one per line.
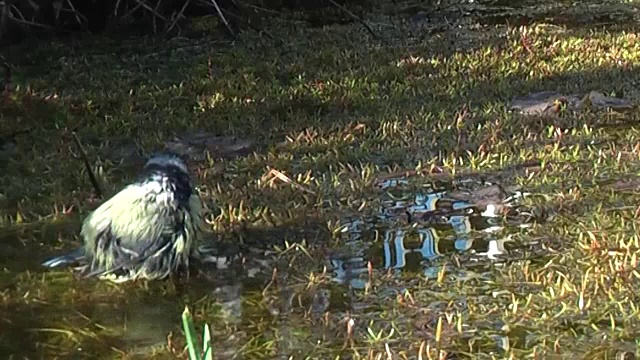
[{"x": 149, "y": 230}]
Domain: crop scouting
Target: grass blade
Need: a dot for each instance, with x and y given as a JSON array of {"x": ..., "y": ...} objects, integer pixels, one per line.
[
  {"x": 190, "y": 334},
  {"x": 207, "y": 348}
]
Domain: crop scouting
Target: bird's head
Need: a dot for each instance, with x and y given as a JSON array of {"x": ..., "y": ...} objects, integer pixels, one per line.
[
  {"x": 166, "y": 173},
  {"x": 167, "y": 161}
]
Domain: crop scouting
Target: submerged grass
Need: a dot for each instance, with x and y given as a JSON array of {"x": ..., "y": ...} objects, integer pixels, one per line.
[{"x": 334, "y": 111}]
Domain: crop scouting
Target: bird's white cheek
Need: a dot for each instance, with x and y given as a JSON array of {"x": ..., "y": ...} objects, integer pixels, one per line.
[
  {"x": 151, "y": 187},
  {"x": 164, "y": 198}
]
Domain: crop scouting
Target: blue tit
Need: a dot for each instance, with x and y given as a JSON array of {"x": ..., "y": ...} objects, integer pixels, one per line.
[{"x": 148, "y": 230}]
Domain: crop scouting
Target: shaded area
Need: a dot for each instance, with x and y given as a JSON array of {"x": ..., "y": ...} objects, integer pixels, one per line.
[{"x": 22, "y": 21}]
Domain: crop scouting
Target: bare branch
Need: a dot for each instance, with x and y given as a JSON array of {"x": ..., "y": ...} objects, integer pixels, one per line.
[
  {"x": 179, "y": 15},
  {"x": 150, "y": 9},
  {"x": 224, "y": 20},
  {"x": 356, "y": 18}
]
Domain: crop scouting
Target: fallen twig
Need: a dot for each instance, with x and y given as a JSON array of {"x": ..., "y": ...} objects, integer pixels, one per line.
[
  {"x": 85, "y": 160},
  {"x": 279, "y": 175}
]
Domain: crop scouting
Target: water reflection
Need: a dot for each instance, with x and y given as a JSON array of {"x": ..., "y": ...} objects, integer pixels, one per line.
[
  {"x": 143, "y": 324},
  {"x": 412, "y": 230}
]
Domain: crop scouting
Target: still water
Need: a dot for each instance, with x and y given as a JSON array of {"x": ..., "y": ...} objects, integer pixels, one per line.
[{"x": 414, "y": 234}]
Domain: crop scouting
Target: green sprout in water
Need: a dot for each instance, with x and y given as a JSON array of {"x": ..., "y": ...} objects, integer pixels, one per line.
[{"x": 192, "y": 341}]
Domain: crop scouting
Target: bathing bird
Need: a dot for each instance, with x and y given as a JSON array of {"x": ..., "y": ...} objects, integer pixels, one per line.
[{"x": 149, "y": 230}]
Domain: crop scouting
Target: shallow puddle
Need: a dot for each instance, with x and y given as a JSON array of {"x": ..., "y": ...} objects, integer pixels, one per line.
[
  {"x": 414, "y": 233},
  {"x": 414, "y": 229}
]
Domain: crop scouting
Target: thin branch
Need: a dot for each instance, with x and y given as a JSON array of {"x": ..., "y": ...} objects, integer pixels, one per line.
[
  {"x": 85, "y": 160},
  {"x": 224, "y": 20},
  {"x": 126, "y": 15},
  {"x": 175, "y": 21},
  {"x": 75, "y": 12},
  {"x": 150, "y": 9},
  {"x": 356, "y": 18},
  {"x": 31, "y": 23},
  {"x": 82, "y": 17},
  {"x": 255, "y": 28},
  {"x": 115, "y": 8},
  {"x": 155, "y": 27}
]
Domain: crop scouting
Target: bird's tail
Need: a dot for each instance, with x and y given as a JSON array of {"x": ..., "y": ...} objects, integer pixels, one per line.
[{"x": 67, "y": 259}]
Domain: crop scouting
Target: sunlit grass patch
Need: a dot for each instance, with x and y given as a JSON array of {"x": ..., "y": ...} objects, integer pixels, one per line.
[{"x": 315, "y": 271}]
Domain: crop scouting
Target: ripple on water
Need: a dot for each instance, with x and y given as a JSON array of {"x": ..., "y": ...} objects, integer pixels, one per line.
[{"x": 414, "y": 229}]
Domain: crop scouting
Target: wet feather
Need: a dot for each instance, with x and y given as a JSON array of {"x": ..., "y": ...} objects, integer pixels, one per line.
[{"x": 148, "y": 230}]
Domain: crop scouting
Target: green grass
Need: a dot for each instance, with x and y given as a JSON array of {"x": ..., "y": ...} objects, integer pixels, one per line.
[
  {"x": 334, "y": 110},
  {"x": 193, "y": 345}
]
